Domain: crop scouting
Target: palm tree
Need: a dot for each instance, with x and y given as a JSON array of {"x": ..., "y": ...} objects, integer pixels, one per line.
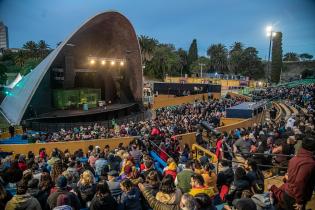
[
  {"x": 20, "y": 58},
  {"x": 31, "y": 48},
  {"x": 218, "y": 57},
  {"x": 235, "y": 56},
  {"x": 43, "y": 48},
  {"x": 147, "y": 46}
]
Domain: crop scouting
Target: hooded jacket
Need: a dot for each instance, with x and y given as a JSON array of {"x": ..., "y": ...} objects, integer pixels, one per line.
[
  {"x": 103, "y": 202},
  {"x": 263, "y": 201},
  {"x": 23, "y": 202},
  {"x": 301, "y": 180},
  {"x": 157, "y": 205},
  {"x": 173, "y": 198}
]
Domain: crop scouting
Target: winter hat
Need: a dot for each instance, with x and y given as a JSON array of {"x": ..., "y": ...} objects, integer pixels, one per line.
[{"x": 61, "y": 182}]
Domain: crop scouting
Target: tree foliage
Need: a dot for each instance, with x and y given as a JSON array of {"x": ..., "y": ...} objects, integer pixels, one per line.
[
  {"x": 276, "y": 63},
  {"x": 250, "y": 64},
  {"x": 235, "y": 57},
  {"x": 195, "y": 66},
  {"x": 218, "y": 57},
  {"x": 306, "y": 57},
  {"x": 291, "y": 56},
  {"x": 3, "y": 76},
  {"x": 147, "y": 46},
  {"x": 192, "y": 52},
  {"x": 164, "y": 61}
]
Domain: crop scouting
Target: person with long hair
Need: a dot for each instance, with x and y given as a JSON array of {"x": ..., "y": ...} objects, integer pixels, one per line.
[
  {"x": 45, "y": 186},
  {"x": 103, "y": 198},
  {"x": 86, "y": 187},
  {"x": 168, "y": 193},
  {"x": 253, "y": 172},
  {"x": 210, "y": 177},
  {"x": 57, "y": 170}
]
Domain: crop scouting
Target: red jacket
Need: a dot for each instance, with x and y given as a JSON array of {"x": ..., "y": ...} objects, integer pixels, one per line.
[{"x": 301, "y": 173}]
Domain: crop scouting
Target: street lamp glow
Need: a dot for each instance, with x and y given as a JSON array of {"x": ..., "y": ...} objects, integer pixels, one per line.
[
  {"x": 121, "y": 63},
  {"x": 92, "y": 61},
  {"x": 269, "y": 29},
  {"x": 112, "y": 63},
  {"x": 103, "y": 62}
]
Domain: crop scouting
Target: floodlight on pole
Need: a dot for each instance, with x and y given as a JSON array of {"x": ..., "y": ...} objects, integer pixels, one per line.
[{"x": 270, "y": 34}]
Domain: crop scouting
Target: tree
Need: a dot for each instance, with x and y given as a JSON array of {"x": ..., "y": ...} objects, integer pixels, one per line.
[
  {"x": 195, "y": 66},
  {"x": 147, "y": 46},
  {"x": 250, "y": 64},
  {"x": 184, "y": 61},
  {"x": 164, "y": 61},
  {"x": 31, "y": 48},
  {"x": 218, "y": 57},
  {"x": 192, "y": 52},
  {"x": 306, "y": 57},
  {"x": 43, "y": 48},
  {"x": 3, "y": 76},
  {"x": 291, "y": 56},
  {"x": 29, "y": 65},
  {"x": 235, "y": 57},
  {"x": 276, "y": 62},
  {"x": 20, "y": 58}
]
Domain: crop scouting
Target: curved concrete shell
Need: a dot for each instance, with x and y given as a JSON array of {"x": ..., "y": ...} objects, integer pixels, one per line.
[{"x": 106, "y": 35}]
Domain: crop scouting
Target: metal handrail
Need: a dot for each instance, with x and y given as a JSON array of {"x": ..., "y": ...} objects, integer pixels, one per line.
[{"x": 154, "y": 144}]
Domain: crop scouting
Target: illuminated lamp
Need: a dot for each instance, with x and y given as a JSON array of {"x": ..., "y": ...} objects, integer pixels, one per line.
[
  {"x": 103, "y": 62},
  {"x": 92, "y": 61},
  {"x": 112, "y": 63},
  {"x": 122, "y": 63}
]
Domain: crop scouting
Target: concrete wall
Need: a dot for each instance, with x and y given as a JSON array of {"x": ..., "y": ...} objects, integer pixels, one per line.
[
  {"x": 293, "y": 69},
  {"x": 71, "y": 145},
  {"x": 170, "y": 100}
]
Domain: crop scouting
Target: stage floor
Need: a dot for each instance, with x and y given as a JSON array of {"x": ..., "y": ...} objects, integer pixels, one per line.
[{"x": 81, "y": 112}]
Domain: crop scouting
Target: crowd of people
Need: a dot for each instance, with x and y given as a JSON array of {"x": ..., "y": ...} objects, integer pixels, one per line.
[
  {"x": 175, "y": 120},
  {"x": 127, "y": 177}
]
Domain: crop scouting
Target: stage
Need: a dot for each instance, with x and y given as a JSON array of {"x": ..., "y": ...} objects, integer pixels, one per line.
[{"x": 80, "y": 112}]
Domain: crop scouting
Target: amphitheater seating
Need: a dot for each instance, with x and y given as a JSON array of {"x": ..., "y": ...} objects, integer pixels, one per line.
[{"x": 286, "y": 110}]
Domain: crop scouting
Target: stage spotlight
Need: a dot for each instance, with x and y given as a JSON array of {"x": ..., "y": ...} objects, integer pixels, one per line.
[
  {"x": 103, "y": 62},
  {"x": 92, "y": 61},
  {"x": 112, "y": 63},
  {"x": 122, "y": 63}
]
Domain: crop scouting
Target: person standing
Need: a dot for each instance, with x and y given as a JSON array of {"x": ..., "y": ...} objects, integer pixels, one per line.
[{"x": 301, "y": 176}]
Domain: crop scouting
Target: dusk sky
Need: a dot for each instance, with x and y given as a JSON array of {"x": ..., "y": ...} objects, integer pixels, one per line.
[{"x": 172, "y": 21}]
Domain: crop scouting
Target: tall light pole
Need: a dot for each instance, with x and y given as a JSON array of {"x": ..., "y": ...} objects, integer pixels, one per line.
[{"x": 270, "y": 34}]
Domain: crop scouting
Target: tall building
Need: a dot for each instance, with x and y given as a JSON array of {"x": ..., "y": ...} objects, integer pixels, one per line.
[{"x": 4, "y": 36}]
